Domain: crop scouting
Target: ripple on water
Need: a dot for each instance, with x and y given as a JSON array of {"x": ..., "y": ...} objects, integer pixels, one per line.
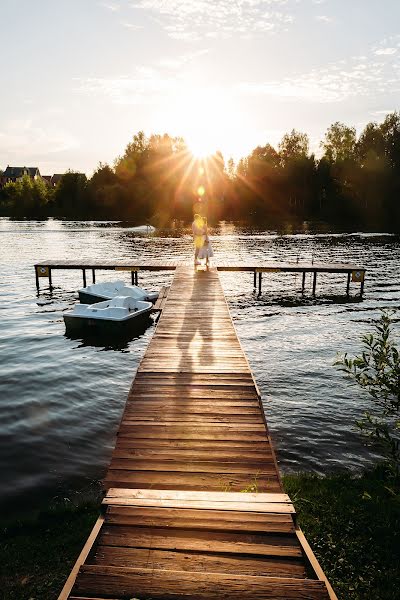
[{"x": 62, "y": 399}]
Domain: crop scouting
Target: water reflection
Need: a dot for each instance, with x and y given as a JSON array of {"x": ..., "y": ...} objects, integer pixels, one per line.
[
  {"x": 107, "y": 340},
  {"x": 62, "y": 398}
]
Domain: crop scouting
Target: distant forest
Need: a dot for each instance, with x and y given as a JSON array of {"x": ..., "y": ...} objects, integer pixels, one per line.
[{"x": 356, "y": 181}]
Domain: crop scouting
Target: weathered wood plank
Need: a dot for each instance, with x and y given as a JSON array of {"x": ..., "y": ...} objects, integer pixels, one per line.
[{"x": 171, "y": 585}]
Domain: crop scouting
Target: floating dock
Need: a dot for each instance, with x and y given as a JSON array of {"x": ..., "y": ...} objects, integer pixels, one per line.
[
  {"x": 194, "y": 506},
  {"x": 353, "y": 272}
]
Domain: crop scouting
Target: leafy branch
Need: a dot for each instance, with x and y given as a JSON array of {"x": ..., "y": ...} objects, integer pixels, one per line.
[{"x": 377, "y": 370}]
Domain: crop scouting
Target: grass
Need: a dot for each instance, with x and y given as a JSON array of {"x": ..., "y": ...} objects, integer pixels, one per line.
[
  {"x": 352, "y": 524},
  {"x": 36, "y": 555}
]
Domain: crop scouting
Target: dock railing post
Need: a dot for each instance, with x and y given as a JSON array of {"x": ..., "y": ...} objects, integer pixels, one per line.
[
  {"x": 50, "y": 280},
  {"x": 93, "y": 276},
  {"x": 348, "y": 284},
  {"x": 255, "y": 280},
  {"x": 314, "y": 287},
  {"x": 84, "y": 277},
  {"x": 259, "y": 283},
  {"x": 37, "y": 280},
  {"x": 303, "y": 283}
]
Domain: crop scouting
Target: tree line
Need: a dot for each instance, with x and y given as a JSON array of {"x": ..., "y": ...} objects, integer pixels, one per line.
[{"x": 355, "y": 181}]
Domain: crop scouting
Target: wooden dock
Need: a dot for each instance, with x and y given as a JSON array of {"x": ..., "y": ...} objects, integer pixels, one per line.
[
  {"x": 194, "y": 506},
  {"x": 354, "y": 273}
]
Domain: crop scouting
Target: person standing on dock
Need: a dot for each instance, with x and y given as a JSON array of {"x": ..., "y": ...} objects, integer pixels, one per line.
[
  {"x": 199, "y": 232},
  {"x": 206, "y": 250}
]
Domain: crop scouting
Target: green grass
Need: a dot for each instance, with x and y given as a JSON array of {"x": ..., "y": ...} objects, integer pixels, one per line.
[
  {"x": 353, "y": 527},
  {"x": 37, "y": 555},
  {"x": 352, "y": 524}
]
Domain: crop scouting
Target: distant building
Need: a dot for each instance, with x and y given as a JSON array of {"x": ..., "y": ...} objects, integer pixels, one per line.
[
  {"x": 47, "y": 179},
  {"x": 55, "y": 179},
  {"x": 16, "y": 173}
]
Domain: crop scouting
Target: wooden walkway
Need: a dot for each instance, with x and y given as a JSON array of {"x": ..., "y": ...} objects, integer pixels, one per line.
[{"x": 195, "y": 508}]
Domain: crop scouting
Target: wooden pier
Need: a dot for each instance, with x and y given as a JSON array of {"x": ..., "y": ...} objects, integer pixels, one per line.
[
  {"x": 194, "y": 506},
  {"x": 354, "y": 273}
]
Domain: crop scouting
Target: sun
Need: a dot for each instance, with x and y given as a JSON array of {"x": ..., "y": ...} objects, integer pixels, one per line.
[{"x": 204, "y": 119}]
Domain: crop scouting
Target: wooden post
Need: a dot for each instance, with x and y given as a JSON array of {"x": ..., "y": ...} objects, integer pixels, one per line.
[
  {"x": 255, "y": 280},
  {"x": 259, "y": 283},
  {"x": 314, "y": 287},
  {"x": 136, "y": 278},
  {"x": 50, "y": 280},
  {"x": 37, "y": 279},
  {"x": 348, "y": 284},
  {"x": 133, "y": 277},
  {"x": 93, "y": 276},
  {"x": 84, "y": 277},
  {"x": 362, "y": 286},
  {"x": 303, "y": 283}
]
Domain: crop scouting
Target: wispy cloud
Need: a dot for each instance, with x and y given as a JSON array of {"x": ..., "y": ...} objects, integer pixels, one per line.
[
  {"x": 113, "y": 6},
  {"x": 191, "y": 20},
  {"x": 385, "y": 51},
  {"x": 358, "y": 76},
  {"x": 324, "y": 18},
  {"x": 18, "y": 135},
  {"x": 132, "y": 26}
]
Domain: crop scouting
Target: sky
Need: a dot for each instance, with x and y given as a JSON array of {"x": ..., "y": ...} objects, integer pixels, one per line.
[{"x": 80, "y": 77}]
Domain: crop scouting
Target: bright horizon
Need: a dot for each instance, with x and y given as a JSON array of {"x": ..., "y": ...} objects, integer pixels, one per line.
[{"x": 81, "y": 78}]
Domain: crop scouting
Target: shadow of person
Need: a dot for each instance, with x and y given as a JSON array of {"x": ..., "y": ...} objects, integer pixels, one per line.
[{"x": 195, "y": 340}]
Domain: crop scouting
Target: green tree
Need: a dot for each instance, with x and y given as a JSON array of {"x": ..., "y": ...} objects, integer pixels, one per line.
[
  {"x": 340, "y": 143},
  {"x": 26, "y": 197},
  {"x": 377, "y": 371},
  {"x": 293, "y": 146},
  {"x": 71, "y": 198}
]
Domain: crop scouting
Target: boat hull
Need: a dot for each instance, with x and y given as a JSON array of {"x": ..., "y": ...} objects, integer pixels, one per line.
[{"x": 78, "y": 324}]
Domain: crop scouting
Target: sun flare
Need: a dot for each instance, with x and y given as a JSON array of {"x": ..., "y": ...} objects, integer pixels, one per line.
[{"x": 205, "y": 120}]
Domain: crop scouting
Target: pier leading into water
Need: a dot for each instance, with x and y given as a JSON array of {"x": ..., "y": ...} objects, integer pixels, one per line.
[
  {"x": 194, "y": 507},
  {"x": 352, "y": 272}
]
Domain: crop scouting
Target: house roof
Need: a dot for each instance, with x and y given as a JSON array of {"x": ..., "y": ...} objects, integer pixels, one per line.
[
  {"x": 14, "y": 172},
  {"x": 56, "y": 177}
]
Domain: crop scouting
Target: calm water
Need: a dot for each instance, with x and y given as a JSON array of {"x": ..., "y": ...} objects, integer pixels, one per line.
[{"x": 61, "y": 400}]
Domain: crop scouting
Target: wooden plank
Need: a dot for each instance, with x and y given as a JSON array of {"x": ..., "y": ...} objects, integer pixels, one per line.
[
  {"x": 64, "y": 594},
  {"x": 212, "y": 520},
  {"x": 194, "y": 455},
  {"x": 260, "y": 468},
  {"x": 189, "y": 481},
  {"x": 200, "y": 540},
  {"x": 164, "y": 584},
  {"x": 149, "y": 558},
  {"x": 227, "y": 497}
]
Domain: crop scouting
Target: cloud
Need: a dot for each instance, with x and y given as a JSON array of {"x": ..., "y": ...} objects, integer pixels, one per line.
[
  {"x": 22, "y": 135},
  {"x": 335, "y": 82},
  {"x": 131, "y": 26},
  {"x": 129, "y": 90},
  {"x": 111, "y": 6},
  {"x": 385, "y": 51},
  {"x": 147, "y": 83},
  {"x": 191, "y": 20},
  {"x": 324, "y": 18}
]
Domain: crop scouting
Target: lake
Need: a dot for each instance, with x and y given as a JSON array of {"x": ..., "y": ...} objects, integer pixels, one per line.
[{"x": 61, "y": 399}]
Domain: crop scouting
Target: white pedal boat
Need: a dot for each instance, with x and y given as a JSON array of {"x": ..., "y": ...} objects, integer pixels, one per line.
[
  {"x": 97, "y": 292},
  {"x": 115, "y": 316}
]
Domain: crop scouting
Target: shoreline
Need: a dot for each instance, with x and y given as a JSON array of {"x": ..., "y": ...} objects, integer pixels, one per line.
[{"x": 340, "y": 515}]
